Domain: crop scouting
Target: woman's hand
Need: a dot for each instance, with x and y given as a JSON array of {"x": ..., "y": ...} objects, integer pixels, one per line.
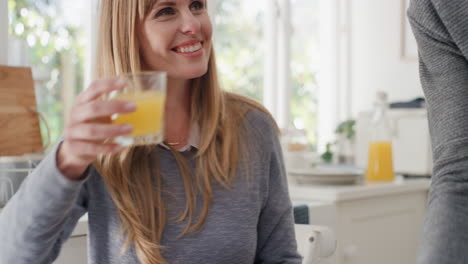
[{"x": 89, "y": 126}]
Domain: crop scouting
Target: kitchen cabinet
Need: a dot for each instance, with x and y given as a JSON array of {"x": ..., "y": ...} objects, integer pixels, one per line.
[
  {"x": 74, "y": 250},
  {"x": 374, "y": 223}
]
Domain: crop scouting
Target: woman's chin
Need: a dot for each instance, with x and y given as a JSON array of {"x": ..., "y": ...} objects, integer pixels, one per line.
[{"x": 189, "y": 74}]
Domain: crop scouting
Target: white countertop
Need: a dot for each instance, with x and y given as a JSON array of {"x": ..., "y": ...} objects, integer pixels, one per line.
[
  {"x": 327, "y": 193},
  {"x": 81, "y": 228},
  {"x": 336, "y": 193}
]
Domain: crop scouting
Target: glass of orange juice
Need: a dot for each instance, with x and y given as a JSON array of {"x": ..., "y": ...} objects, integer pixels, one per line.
[{"x": 148, "y": 91}]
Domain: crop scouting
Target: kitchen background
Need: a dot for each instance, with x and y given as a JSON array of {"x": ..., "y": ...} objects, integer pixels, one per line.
[
  {"x": 321, "y": 61},
  {"x": 315, "y": 64}
]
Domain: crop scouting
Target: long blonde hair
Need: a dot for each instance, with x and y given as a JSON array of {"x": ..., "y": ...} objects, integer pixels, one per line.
[{"x": 132, "y": 176}]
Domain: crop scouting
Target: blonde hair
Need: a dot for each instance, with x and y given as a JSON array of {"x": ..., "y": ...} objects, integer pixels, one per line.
[{"x": 132, "y": 176}]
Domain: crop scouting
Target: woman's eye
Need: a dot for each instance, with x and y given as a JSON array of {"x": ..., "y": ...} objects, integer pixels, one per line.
[
  {"x": 165, "y": 12},
  {"x": 196, "y": 6}
]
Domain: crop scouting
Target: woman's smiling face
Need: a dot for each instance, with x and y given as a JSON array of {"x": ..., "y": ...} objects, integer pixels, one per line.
[{"x": 175, "y": 37}]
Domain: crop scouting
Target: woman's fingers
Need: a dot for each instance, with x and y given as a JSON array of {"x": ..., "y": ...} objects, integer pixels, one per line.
[
  {"x": 99, "y": 88},
  {"x": 95, "y": 132},
  {"x": 99, "y": 108},
  {"x": 90, "y": 126},
  {"x": 87, "y": 151}
]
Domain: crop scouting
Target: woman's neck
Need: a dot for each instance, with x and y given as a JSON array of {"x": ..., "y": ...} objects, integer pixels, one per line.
[{"x": 177, "y": 113}]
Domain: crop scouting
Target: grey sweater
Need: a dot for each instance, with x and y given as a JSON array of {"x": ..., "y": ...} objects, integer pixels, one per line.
[
  {"x": 250, "y": 223},
  {"x": 441, "y": 30}
]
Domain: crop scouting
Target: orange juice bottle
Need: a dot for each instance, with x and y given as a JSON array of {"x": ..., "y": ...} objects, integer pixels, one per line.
[{"x": 380, "y": 156}]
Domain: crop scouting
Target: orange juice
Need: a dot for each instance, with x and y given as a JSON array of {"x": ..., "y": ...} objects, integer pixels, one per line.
[
  {"x": 380, "y": 165},
  {"x": 149, "y": 114}
]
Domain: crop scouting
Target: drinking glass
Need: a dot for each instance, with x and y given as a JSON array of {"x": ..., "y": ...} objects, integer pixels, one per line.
[{"x": 148, "y": 91}]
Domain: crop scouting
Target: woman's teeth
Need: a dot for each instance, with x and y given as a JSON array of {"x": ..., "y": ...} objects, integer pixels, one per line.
[{"x": 189, "y": 49}]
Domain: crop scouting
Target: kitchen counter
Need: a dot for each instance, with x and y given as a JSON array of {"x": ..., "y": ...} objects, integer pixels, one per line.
[
  {"x": 81, "y": 228},
  {"x": 337, "y": 193},
  {"x": 371, "y": 221}
]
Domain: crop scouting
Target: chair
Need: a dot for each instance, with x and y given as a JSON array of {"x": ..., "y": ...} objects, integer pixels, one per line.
[{"x": 315, "y": 243}]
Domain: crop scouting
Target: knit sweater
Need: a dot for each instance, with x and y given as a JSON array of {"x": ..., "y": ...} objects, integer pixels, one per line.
[
  {"x": 441, "y": 30},
  {"x": 252, "y": 222}
]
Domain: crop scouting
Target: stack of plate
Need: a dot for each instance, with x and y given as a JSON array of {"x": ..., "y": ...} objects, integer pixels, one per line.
[{"x": 327, "y": 175}]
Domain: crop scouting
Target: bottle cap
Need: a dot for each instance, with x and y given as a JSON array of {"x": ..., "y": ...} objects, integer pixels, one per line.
[{"x": 382, "y": 96}]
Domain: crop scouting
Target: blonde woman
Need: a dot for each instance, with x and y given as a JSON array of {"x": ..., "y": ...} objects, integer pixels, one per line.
[{"x": 214, "y": 192}]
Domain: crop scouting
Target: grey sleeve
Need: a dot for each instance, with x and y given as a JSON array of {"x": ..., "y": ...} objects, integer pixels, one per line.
[
  {"x": 41, "y": 215},
  {"x": 276, "y": 241},
  {"x": 441, "y": 30}
]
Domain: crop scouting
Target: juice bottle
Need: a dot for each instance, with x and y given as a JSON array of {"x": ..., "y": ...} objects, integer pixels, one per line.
[
  {"x": 380, "y": 158},
  {"x": 149, "y": 113}
]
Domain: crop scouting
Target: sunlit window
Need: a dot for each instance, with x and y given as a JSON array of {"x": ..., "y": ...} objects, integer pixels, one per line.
[
  {"x": 238, "y": 41},
  {"x": 240, "y": 27},
  {"x": 49, "y": 36}
]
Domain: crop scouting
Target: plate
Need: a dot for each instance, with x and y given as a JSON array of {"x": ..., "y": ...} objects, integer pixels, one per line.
[{"x": 327, "y": 175}]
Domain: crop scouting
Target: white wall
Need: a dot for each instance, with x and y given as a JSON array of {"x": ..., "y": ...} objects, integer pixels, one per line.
[
  {"x": 329, "y": 94},
  {"x": 375, "y": 55},
  {"x": 3, "y": 31}
]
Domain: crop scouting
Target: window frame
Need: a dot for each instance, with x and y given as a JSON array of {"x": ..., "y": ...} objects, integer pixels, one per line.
[
  {"x": 92, "y": 30},
  {"x": 333, "y": 82},
  {"x": 211, "y": 9},
  {"x": 276, "y": 75},
  {"x": 277, "y": 90},
  {"x": 4, "y": 32},
  {"x": 333, "y": 102}
]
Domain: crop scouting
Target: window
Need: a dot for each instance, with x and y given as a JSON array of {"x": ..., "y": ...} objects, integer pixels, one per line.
[
  {"x": 305, "y": 66},
  {"x": 51, "y": 36},
  {"x": 283, "y": 53},
  {"x": 271, "y": 50},
  {"x": 238, "y": 32}
]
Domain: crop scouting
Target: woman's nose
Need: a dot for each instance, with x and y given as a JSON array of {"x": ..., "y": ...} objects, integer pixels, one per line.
[{"x": 190, "y": 24}]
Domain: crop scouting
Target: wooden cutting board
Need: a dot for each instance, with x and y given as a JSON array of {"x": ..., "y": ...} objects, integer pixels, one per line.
[{"x": 19, "y": 122}]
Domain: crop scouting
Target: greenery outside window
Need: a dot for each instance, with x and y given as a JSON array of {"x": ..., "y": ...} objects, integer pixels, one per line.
[
  {"x": 50, "y": 37},
  {"x": 244, "y": 51},
  {"x": 55, "y": 44}
]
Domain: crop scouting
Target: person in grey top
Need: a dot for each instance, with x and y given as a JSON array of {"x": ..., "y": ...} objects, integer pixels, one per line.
[
  {"x": 214, "y": 192},
  {"x": 441, "y": 30}
]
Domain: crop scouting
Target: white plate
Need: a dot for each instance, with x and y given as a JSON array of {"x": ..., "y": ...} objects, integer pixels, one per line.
[{"x": 324, "y": 175}]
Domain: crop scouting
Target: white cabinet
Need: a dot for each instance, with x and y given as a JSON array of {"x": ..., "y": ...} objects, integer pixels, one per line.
[
  {"x": 378, "y": 223},
  {"x": 74, "y": 250}
]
